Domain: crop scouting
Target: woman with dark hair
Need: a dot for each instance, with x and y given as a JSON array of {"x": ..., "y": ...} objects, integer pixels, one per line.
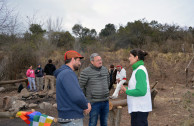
[
  {"x": 31, "y": 78},
  {"x": 138, "y": 90}
]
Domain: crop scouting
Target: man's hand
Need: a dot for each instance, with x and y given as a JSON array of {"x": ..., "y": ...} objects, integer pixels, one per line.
[
  {"x": 87, "y": 111},
  {"x": 118, "y": 80}
]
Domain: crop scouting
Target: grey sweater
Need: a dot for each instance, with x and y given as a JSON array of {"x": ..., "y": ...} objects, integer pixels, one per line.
[{"x": 95, "y": 82}]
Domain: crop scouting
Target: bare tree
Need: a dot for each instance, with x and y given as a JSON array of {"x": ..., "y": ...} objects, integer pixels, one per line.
[
  {"x": 5, "y": 15},
  {"x": 8, "y": 19},
  {"x": 54, "y": 25}
]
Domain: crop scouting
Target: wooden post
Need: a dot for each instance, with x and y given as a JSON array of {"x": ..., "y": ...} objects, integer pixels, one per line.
[
  {"x": 111, "y": 117},
  {"x": 118, "y": 115},
  {"x": 154, "y": 92},
  {"x": 115, "y": 116}
]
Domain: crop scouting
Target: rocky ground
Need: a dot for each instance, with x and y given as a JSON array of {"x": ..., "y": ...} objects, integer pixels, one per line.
[{"x": 174, "y": 106}]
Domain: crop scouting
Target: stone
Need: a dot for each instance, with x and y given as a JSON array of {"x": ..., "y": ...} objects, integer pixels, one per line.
[
  {"x": 18, "y": 105},
  {"x": 25, "y": 94},
  {"x": 1, "y": 102},
  {"x": 42, "y": 95},
  {"x": 7, "y": 103},
  {"x": 55, "y": 105},
  {"x": 32, "y": 105},
  {"x": 2, "y": 89},
  {"x": 51, "y": 93},
  {"x": 54, "y": 96},
  {"x": 45, "y": 105}
]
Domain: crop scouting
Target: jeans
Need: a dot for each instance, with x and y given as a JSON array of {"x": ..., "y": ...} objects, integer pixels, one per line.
[
  {"x": 31, "y": 80},
  {"x": 139, "y": 119},
  {"x": 102, "y": 109},
  {"x": 77, "y": 122}
]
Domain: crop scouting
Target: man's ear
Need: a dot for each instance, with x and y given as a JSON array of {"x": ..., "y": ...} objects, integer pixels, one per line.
[{"x": 92, "y": 62}]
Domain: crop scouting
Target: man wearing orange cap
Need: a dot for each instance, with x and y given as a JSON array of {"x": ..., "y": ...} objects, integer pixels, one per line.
[
  {"x": 121, "y": 79},
  {"x": 71, "y": 102}
]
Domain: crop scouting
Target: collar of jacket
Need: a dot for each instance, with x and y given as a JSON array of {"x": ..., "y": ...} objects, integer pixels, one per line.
[
  {"x": 95, "y": 68},
  {"x": 137, "y": 64}
]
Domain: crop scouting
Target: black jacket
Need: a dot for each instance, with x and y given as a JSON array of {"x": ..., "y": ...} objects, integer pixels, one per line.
[
  {"x": 49, "y": 69},
  {"x": 40, "y": 73}
]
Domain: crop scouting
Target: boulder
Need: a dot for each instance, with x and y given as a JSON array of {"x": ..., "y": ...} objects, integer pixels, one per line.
[
  {"x": 51, "y": 93},
  {"x": 42, "y": 94},
  {"x": 45, "y": 105},
  {"x": 25, "y": 93},
  {"x": 2, "y": 89},
  {"x": 54, "y": 96},
  {"x": 55, "y": 105},
  {"x": 7, "y": 103},
  {"x": 32, "y": 105},
  {"x": 1, "y": 102},
  {"x": 18, "y": 105}
]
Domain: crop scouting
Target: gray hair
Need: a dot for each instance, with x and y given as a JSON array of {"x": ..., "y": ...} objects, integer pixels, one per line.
[{"x": 93, "y": 55}]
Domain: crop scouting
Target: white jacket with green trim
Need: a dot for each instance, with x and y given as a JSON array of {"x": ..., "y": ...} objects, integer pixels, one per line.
[{"x": 138, "y": 93}]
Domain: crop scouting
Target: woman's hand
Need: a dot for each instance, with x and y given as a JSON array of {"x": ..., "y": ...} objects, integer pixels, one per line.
[{"x": 123, "y": 89}]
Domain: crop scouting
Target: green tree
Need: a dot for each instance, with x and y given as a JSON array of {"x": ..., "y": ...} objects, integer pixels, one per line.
[
  {"x": 108, "y": 30},
  {"x": 36, "y": 29},
  {"x": 85, "y": 35},
  {"x": 62, "y": 39}
]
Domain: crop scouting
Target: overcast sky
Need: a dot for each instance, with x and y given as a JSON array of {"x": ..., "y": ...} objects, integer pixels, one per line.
[{"x": 97, "y": 13}]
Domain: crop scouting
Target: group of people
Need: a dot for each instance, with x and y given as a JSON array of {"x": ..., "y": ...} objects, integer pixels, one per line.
[
  {"x": 39, "y": 74},
  {"x": 90, "y": 93}
]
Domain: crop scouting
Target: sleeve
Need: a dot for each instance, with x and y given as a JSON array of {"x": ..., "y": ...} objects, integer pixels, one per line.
[
  {"x": 73, "y": 90},
  {"x": 54, "y": 68},
  {"x": 117, "y": 75},
  {"x": 123, "y": 74},
  {"x": 83, "y": 81},
  {"x": 141, "y": 85},
  {"x": 36, "y": 72},
  {"x": 45, "y": 69},
  {"x": 28, "y": 73},
  {"x": 108, "y": 78}
]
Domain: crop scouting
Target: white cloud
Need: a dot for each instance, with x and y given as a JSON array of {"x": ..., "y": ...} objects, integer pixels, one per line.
[{"x": 97, "y": 13}]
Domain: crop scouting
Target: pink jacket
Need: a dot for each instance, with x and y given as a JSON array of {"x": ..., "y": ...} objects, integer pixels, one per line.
[{"x": 30, "y": 73}]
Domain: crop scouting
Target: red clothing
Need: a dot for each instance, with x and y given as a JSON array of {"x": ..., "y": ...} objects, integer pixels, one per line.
[{"x": 30, "y": 73}]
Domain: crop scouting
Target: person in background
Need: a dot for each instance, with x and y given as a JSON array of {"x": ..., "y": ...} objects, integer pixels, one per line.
[
  {"x": 49, "y": 78},
  {"x": 94, "y": 81},
  {"x": 121, "y": 79},
  {"x": 31, "y": 78},
  {"x": 113, "y": 73},
  {"x": 39, "y": 77},
  {"x": 71, "y": 102},
  {"x": 138, "y": 90}
]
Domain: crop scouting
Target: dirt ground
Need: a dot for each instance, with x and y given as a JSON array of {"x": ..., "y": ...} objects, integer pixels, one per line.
[{"x": 174, "y": 106}]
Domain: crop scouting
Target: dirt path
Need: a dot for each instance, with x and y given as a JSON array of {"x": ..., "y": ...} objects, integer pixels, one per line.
[{"x": 173, "y": 107}]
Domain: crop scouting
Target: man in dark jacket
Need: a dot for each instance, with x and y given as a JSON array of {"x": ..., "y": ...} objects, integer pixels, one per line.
[
  {"x": 49, "y": 69},
  {"x": 113, "y": 73},
  {"x": 39, "y": 77},
  {"x": 94, "y": 81},
  {"x": 71, "y": 102}
]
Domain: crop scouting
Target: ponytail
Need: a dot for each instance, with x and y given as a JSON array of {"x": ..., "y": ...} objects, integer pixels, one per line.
[{"x": 140, "y": 53}]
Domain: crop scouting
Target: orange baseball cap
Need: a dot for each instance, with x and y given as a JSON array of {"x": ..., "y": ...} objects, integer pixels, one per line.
[{"x": 72, "y": 54}]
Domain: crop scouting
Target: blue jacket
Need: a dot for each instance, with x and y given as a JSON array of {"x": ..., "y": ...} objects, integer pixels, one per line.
[{"x": 70, "y": 99}]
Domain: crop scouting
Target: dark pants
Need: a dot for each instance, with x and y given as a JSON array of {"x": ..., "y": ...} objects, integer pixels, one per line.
[
  {"x": 139, "y": 119},
  {"x": 100, "y": 109}
]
